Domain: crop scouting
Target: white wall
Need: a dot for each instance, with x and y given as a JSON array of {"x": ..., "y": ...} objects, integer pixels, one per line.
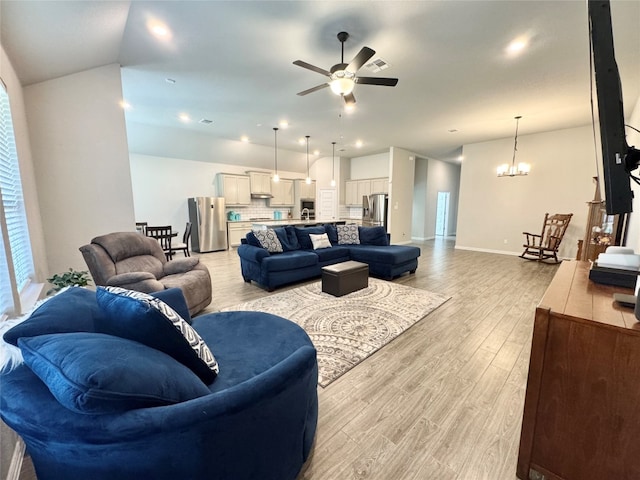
[
  {"x": 633, "y": 139},
  {"x": 27, "y": 173},
  {"x": 79, "y": 147},
  {"x": 162, "y": 185},
  {"x": 370, "y": 166},
  {"x": 401, "y": 180},
  {"x": 493, "y": 212},
  {"x": 433, "y": 176}
]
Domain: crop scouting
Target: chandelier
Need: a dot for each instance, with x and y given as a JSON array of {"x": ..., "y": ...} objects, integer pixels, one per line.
[{"x": 505, "y": 170}]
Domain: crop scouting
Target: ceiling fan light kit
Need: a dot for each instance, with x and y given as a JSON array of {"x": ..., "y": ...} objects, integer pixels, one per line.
[{"x": 342, "y": 76}]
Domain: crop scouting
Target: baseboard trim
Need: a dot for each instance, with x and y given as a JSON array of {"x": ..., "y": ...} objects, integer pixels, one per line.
[
  {"x": 16, "y": 460},
  {"x": 486, "y": 250}
]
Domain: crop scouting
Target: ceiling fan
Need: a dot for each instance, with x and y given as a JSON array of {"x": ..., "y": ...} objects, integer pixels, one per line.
[{"x": 342, "y": 76}]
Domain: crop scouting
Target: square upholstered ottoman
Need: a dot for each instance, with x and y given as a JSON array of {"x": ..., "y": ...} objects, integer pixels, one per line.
[{"x": 346, "y": 277}]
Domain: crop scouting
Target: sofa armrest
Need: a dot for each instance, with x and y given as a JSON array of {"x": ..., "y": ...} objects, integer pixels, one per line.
[
  {"x": 180, "y": 265},
  {"x": 252, "y": 254},
  {"x": 140, "y": 281}
]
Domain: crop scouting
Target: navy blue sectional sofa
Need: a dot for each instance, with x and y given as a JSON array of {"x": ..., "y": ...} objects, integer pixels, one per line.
[{"x": 300, "y": 261}]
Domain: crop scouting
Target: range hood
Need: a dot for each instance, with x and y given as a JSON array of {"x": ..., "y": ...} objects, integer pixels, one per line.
[{"x": 261, "y": 195}]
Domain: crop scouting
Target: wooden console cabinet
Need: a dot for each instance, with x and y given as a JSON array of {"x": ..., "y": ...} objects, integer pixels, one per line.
[{"x": 582, "y": 406}]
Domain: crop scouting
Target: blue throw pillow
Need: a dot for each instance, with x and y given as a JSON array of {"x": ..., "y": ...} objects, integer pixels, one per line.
[
  {"x": 93, "y": 373},
  {"x": 252, "y": 240},
  {"x": 288, "y": 239},
  {"x": 332, "y": 233},
  {"x": 76, "y": 310},
  {"x": 373, "y": 236},
  {"x": 148, "y": 320},
  {"x": 303, "y": 236},
  {"x": 72, "y": 310}
]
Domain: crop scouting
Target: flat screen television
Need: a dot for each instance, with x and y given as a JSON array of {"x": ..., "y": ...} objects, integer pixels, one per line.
[{"x": 618, "y": 158}]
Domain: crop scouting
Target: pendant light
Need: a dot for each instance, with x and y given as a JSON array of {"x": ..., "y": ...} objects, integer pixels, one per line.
[
  {"x": 523, "y": 168},
  {"x": 308, "y": 179},
  {"x": 333, "y": 164},
  {"x": 276, "y": 177}
]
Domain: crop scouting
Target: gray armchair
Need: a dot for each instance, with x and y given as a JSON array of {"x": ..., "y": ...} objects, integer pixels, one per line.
[{"x": 136, "y": 262}]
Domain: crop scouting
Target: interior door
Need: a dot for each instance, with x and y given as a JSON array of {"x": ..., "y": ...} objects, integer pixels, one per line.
[{"x": 327, "y": 207}]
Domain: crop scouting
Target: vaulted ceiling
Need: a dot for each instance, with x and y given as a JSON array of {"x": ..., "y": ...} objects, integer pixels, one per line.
[{"x": 231, "y": 63}]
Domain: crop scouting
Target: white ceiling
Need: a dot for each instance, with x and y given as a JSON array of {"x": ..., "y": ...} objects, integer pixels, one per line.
[{"x": 232, "y": 63}]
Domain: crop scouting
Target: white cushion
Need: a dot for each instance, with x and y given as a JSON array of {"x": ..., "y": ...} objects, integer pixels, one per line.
[{"x": 320, "y": 241}]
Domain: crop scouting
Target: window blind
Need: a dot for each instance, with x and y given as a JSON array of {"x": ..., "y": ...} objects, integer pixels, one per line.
[{"x": 16, "y": 244}]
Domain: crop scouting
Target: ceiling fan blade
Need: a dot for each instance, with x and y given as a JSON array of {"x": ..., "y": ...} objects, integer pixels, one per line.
[
  {"x": 314, "y": 89},
  {"x": 360, "y": 59},
  {"x": 349, "y": 99},
  {"x": 308, "y": 66},
  {"x": 387, "y": 82}
]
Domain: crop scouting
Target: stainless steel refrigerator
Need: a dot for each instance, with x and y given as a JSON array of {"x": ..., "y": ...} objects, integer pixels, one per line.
[
  {"x": 375, "y": 210},
  {"x": 208, "y": 224}
]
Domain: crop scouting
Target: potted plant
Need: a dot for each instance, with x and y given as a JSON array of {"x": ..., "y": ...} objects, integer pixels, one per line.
[{"x": 68, "y": 279}]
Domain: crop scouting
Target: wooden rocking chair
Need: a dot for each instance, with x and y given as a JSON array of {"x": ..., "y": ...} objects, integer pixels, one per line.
[{"x": 545, "y": 246}]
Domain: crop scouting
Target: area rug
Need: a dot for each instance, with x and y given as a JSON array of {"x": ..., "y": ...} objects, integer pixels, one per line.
[{"x": 346, "y": 330}]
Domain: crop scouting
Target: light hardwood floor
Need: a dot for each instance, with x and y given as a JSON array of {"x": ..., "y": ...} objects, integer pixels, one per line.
[{"x": 444, "y": 400}]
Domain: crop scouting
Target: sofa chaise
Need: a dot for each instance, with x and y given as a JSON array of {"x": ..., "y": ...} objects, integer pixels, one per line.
[
  {"x": 293, "y": 258},
  {"x": 95, "y": 400}
]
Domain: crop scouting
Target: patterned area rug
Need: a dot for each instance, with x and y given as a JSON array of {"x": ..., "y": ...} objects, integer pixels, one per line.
[{"x": 346, "y": 330}]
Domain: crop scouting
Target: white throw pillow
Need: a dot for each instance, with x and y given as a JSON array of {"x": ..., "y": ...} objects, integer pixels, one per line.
[{"x": 320, "y": 241}]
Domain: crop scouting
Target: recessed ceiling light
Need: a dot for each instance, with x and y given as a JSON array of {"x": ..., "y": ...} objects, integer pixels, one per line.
[
  {"x": 244, "y": 139},
  {"x": 125, "y": 105},
  {"x": 302, "y": 141},
  {"x": 284, "y": 124},
  {"x": 184, "y": 117},
  {"x": 316, "y": 152},
  {"x": 159, "y": 29},
  {"x": 460, "y": 158},
  {"x": 359, "y": 144},
  {"x": 517, "y": 46}
]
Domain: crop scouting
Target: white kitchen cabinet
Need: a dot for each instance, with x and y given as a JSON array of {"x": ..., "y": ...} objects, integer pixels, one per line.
[
  {"x": 260, "y": 183},
  {"x": 380, "y": 185},
  {"x": 236, "y": 231},
  {"x": 282, "y": 192},
  {"x": 235, "y": 189},
  {"x": 364, "y": 189},
  {"x": 304, "y": 190},
  {"x": 351, "y": 193}
]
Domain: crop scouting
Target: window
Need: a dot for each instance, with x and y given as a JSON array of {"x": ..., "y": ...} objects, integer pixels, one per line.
[{"x": 16, "y": 261}]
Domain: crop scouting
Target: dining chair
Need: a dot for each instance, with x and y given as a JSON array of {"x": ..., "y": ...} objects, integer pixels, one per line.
[
  {"x": 141, "y": 227},
  {"x": 184, "y": 246},
  {"x": 163, "y": 235}
]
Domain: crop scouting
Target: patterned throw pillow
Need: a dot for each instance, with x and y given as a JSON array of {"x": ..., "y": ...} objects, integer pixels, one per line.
[
  {"x": 148, "y": 320},
  {"x": 348, "y": 235},
  {"x": 269, "y": 240},
  {"x": 320, "y": 241}
]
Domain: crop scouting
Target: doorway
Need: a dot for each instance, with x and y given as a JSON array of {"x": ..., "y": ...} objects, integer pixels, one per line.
[{"x": 442, "y": 214}]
